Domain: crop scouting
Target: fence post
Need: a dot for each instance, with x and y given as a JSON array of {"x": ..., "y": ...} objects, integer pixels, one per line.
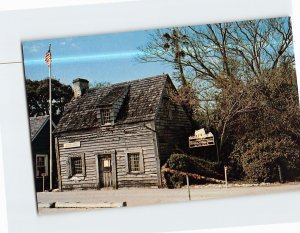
[
  {"x": 280, "y": 174},
  {"x": 225, "y": 172},
  {"x": 188, "y": 186}
]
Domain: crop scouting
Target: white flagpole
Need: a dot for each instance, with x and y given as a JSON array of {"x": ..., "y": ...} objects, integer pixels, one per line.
[{"x": 50, "y": 115}]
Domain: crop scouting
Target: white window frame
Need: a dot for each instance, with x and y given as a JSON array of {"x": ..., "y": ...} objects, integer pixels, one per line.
[
  {"x": 46, "y": 164},
  {"x": 101, "y": 111}
]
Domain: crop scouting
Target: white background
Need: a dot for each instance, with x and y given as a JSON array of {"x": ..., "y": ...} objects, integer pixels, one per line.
[{"x": 18, "y": 4}]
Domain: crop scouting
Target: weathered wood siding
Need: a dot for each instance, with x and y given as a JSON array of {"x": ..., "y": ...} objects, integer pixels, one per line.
[
  {"x": 172, "y": 125},
  {"x": 121, "y": 139},
  {"x": 40, "y": 145}
]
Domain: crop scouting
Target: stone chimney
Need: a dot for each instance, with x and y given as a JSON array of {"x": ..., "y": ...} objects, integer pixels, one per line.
[{"x": 80, "y": 86}]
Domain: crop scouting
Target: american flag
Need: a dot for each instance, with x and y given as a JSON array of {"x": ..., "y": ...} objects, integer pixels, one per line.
[{"x": 48, "y": 56}]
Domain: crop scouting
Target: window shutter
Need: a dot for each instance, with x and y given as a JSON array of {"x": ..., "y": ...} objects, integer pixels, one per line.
[
  {"x": 83, "y": 165},
  {"x": 46, "y": 165},
  {"x": 37, "y": 173},
  {"x": 126, "y": 163},
  {"x": 69, "y": 167},
  {"x": 142, "y": 169}
]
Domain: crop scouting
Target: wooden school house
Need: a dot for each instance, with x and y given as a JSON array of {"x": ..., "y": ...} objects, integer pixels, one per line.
[{"x": 120, "y": 135}]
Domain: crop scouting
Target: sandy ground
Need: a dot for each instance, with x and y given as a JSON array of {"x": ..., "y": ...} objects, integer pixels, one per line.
[{"x": 139, "y": 196}]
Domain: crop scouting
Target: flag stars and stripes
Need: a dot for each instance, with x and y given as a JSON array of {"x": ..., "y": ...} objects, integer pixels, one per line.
[{"x": 48, "y": 56}]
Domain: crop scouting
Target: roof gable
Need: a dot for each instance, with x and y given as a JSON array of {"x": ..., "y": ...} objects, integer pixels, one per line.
[
  {"x": 113, "y": 95},
  {"x": 140, "y": 104},
  {"x": 37, "y": 124}
]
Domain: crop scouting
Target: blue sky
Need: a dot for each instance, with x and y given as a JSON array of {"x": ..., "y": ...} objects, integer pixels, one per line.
[{"x": 98, "y": 58}]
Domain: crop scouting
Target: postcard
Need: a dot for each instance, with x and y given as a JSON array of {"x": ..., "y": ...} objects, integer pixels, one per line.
[{"x": 166, "y": 115}]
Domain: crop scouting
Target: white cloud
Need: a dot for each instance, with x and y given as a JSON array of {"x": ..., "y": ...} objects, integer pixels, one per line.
[
  {"x": 68, "y": 42},
  {"x": 34, "y": 49},
  {"x": 74, "y": 45}
]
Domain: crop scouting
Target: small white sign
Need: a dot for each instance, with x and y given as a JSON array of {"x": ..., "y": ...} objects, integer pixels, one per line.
[
  {"x": 106, "y": 163},
  {"x": 71, "y": 145}
]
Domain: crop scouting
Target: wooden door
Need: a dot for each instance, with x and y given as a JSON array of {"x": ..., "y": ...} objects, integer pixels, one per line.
[{"x": 105, "y": 170}]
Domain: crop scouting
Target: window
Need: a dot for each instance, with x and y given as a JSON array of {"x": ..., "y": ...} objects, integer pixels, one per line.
[
  {"x": 41, "y": 165},
  {"x": 76, "y": 165},
  {"x": 105, "y": 116},
  {"x": 134, "y": 162}
]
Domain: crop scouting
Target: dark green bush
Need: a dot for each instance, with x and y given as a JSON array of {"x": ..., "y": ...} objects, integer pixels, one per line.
[
  {"x": 191, "y": 164},
  {"x": 176, "y": 181},
  {"x": 260, "y": 159}
]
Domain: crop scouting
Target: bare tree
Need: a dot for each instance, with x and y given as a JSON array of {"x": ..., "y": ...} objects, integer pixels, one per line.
[
  {"x": 216, "y": 52},
  {"x": 221, "y": 63}
]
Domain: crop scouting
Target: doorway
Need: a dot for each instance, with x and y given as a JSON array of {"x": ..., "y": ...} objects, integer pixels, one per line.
[{"x": 105, "y": 170}]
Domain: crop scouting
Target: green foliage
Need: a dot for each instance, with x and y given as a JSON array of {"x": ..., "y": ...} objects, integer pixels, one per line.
[
  {"x": 248, "y": 100},
  {"x": 176, "y": 181},
  {"x": 99, "y": 84},
  {"x": 187, "y": 163},
  {"x": 263, "y": 121},
  {"x": 260, "y": 159},
  {"x": 38, "y": 97},
  {"x": 191, "y": 164}
]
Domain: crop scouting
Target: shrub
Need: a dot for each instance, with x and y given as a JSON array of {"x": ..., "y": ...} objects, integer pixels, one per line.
[
  {"x": 260, "y": 159},
  {"x": 191, "y": 164}
]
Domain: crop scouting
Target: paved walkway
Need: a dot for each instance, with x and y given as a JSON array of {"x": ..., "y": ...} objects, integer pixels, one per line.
[{"x": 139, "y": 196}]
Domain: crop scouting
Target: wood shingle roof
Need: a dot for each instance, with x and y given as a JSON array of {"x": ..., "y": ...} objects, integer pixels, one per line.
[
  {"x": 113, "y": 95},
  {"x": 140, "y": 104},
  {"x": 36, "y": 124}
]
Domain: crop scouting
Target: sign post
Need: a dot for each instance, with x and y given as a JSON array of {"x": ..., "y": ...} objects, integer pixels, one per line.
[
  {"x": 188, "y": 186},
  {"x": 225, "y": 172}
]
